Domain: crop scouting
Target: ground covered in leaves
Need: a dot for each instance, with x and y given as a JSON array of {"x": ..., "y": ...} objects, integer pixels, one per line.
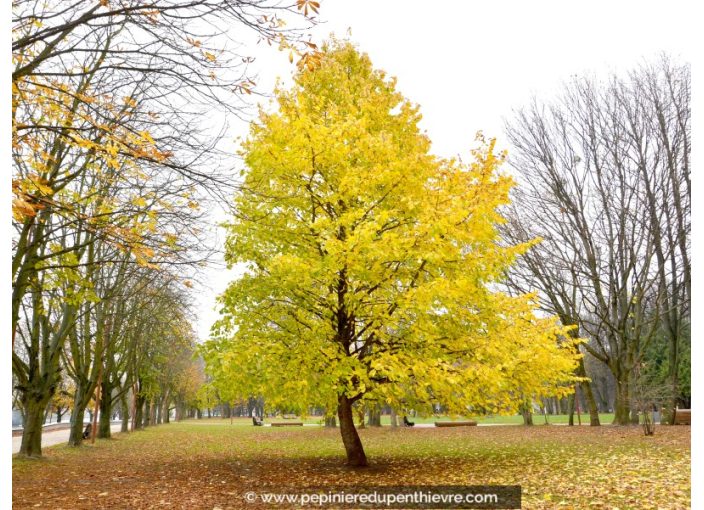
[{"x": 211, "y": 465}]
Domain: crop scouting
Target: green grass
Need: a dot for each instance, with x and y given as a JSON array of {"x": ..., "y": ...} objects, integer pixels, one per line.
[{"x": 538, "y": 419}]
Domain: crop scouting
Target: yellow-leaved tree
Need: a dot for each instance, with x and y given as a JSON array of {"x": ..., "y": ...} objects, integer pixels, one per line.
[{"x": 373, "y": 266}]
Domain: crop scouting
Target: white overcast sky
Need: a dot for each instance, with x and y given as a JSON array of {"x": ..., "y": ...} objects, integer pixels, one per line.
[{"x": 468, "y": 63}]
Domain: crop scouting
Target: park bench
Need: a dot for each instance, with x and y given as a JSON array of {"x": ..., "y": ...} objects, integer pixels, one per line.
[
  {"x": 456, "y": 423},
  {"x": 87, "y": 431},
  {"x": 257, "y": 423},
  {"x": 683, "y": 417},
  {"x": 288, "y": 424},
  {"x": 407, "y": 423}
]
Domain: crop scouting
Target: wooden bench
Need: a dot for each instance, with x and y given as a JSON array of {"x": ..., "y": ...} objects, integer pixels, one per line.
[
  {"x": 287, "y": 424},
  {"x": 455, "y": 423},
  {"x": 683, "y": 417}
]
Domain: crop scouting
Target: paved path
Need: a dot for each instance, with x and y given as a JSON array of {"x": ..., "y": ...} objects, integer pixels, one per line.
[{"x": 50, "y": 438}]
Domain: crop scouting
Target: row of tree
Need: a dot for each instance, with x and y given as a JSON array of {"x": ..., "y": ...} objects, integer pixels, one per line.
[
  {"x": 112, "y": 159},
  {"x": 603, "y": 175}
]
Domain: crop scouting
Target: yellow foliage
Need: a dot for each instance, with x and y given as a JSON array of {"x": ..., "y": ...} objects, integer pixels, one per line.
[{"x": 373, "y": 264}]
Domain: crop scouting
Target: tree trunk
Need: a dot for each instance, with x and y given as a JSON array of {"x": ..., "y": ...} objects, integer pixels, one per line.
[
  {"x": 77, "y": 414},
  {"x": 157, "y": 411},
  {"x": 33, "y": 421},
  {"x": 572, "y": 399},
  {"x": 147, "y": 414},
  {"x": 374, "y": 416},
  {"x": 125, "y": 411},
  {"x": 394, "y": 418},
  {"x": 527, "y": 413},
  {"x": 635, "y": 419},
  {"x": 622, "y": 410},
  {"x": 331, "y": 421},
  {"x": 594, "y": 420},
  {"x": 105, "y": 410},
  {"x": 165, "y": 408},
  {"x": 673, "y": 380},
  {"x": 350, "y": 438},
  {"x": 139, "y": 413}
]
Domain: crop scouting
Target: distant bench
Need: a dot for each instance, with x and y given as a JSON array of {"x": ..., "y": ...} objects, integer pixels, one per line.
[
  {"x": 683, "y": 417},
  {"x": 455, "y": 423},
  {"x": 288, "y": 424}
]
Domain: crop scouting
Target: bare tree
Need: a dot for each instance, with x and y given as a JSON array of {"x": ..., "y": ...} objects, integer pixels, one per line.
[{"x": 603, "y": 175}]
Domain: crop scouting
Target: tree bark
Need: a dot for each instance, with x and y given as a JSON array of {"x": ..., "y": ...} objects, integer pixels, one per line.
[
  {"x": 139, "y": 414},
  {"x": 588, "y": 395},
  {"x": 105, "y": 410},
  {"x": 77, "y": 414},
  {"x": 374, "y": 419},
  {"x": 394, "y": 418},
  {"x": 125, "y": 413},
  {"x": 224, "y": 410},
  {"x": 570, "y": 412},
  {"x": 33, "y": 420},
  {"x": 350, "y": 437},
  {"x": 157, "y": 411},
  {"x": 527, "y": 414},
  {"x": 594, "y": 420},
  {"x": 147, "y": 414},
  {"x": 165, "y": 407},
  {"x": 622, "y": 409}
]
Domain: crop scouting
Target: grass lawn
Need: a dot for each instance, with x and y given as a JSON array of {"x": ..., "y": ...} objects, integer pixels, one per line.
[
  {"x": 538, "y": 419},
  {"x": 209, "y": 464}
]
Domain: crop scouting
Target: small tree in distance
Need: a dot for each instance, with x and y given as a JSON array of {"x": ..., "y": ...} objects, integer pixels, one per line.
[{"x": 370, "y": 263}]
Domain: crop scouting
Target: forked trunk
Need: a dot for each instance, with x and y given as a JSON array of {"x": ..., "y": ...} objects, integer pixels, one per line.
[{"x": 350, "y": 438}]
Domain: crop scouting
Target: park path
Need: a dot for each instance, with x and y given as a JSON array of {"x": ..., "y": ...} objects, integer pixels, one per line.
[{"x": 50, "y": 438}]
